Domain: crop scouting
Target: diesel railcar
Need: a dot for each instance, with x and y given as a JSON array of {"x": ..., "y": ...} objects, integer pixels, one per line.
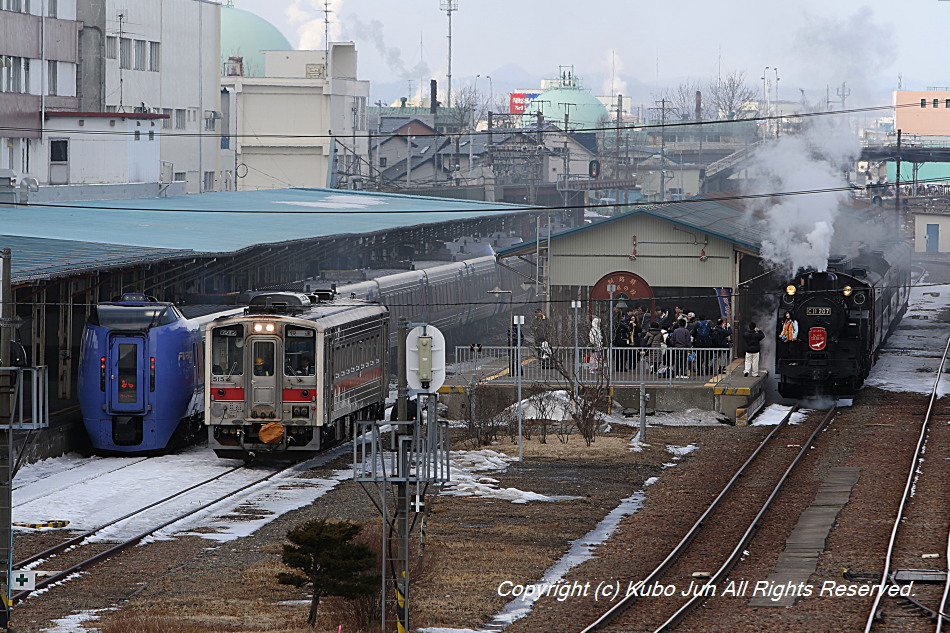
[
  {"x": 844, "y": 316},
  {"x": 140, "y": 381},
  {"x": 291, "y": 375}
]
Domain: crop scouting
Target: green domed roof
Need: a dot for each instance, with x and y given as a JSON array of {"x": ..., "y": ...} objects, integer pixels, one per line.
[
  {"x": 244, "y": 34},
  {"x": 585, "y": 111}
]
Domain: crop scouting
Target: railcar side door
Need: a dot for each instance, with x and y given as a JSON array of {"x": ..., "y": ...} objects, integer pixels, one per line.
[
  {"x": 127, "y": 372},
  {"x": 263, "y": 401}
]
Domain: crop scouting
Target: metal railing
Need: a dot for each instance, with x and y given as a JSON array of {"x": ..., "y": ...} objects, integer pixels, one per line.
[
  {"x": 587, "y": 365},
  {"x": 29, "y": 406}
]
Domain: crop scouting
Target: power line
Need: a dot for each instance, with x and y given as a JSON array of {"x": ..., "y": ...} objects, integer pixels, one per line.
[
  {"x": 494, "y": 131},
  {"x": 488, "y": 210}
]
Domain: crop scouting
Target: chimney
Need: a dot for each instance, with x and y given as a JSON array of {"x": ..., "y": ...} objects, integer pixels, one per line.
[
  {"x": 433, "y": 96},
  {"x": 699, "y": 105}
]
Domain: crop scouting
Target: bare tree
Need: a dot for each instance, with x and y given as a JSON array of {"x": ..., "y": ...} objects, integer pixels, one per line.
[
  {"x": 680, "y": 102},
  {"x": 732, "y": 97}
]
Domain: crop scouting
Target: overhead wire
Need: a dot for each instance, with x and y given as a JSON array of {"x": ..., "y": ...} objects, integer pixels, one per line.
[
  {"x": 487, "y": 210},
  {"x": 496, "y": 131}
]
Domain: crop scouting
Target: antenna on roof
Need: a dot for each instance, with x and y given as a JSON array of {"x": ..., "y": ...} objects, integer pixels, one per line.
[{"x": 326, "y": 25}]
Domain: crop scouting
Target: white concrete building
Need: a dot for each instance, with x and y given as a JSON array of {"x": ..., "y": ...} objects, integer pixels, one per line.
[
  {"x": 303, "y": 124},
  {"x": 38, "y": 56},
  {"x": 102, "y": 148},
  {"x": 159, "y": 57}
]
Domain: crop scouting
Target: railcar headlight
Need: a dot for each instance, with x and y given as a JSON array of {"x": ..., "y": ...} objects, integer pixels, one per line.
[
  {"x": 258, "y": 327},
  {"x": 847, "y": 290},
  {"x": 791, "y": 289},
  {"x": 264, "y": 327},
  {"x": 269, "y": 327}
]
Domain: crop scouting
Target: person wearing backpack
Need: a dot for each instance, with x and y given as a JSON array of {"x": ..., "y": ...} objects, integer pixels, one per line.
[
  {"x": 702, "y": 337},
  {"x": 720, "y": 336}
]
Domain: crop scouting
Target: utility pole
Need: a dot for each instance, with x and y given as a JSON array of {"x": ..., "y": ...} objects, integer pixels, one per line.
[
  {"x": 617, "y": 141},
  {"x": 449, "y": 6},
  {"x": 843, "y": 93},
  {"x": 662, "y": 150},
  {"x": 6, "y": 439}
]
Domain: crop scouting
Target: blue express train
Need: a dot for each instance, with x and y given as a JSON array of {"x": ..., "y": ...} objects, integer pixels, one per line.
[{"x": 140, "y": 379}]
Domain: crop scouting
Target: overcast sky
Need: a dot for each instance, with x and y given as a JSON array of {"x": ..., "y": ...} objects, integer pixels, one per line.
[{"x": 812, "y": 43}]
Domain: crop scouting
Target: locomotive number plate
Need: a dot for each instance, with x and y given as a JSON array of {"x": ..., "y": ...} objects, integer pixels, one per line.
[{"x": 818, "y": 311}]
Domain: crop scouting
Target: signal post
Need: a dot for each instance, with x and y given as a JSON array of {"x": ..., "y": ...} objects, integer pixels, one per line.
[{"x": 396, "y": 462}]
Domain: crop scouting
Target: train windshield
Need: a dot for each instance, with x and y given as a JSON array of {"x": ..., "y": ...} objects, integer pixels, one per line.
[
  {"x": 227, "y": 350},
  {"x": 300, "y": 347},
  {"x": 118, "y": 317}
]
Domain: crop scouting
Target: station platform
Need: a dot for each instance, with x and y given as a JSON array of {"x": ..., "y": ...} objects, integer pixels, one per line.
[{"x": 736, "y": 397}]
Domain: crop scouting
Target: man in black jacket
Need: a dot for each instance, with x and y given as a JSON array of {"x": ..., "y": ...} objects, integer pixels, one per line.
[{"x": 752, "y": 337}]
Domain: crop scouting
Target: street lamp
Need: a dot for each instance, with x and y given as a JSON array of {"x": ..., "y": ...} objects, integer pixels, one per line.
[
  {"x": 575, "y": 305},
  {"x": 611, "y": 288},
  {"x": 511, "y": 310}
]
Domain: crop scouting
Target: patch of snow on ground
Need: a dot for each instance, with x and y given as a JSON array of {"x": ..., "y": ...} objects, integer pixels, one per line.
[
  {"x": 773, "y": 414},
  {"x": 580, "y": 550},
  {"x": 679, "y": 451},
  {"x": 465, "y": 482},
  {"x": 74, "y": 623},
  {"x": 912, "y": 353}
]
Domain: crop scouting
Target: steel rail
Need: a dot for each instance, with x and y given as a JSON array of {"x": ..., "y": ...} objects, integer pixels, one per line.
[
  {"x": 726, "y": 567},
  {"x": 104, "y": 555},
  {"x": 627, "y": 602},
  {"x": 78, "y": 539},
  {"x": 908, "y": 488}
]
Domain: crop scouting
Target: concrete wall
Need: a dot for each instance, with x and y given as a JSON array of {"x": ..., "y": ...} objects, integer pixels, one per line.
[
  {"x": 73, "y": 193},
  {"x": 921, "y": 220}
]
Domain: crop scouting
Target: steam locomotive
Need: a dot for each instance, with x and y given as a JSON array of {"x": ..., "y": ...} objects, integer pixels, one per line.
[{"x": 844, "y": 316}]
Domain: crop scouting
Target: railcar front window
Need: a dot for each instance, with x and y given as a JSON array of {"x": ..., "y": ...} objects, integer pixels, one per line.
[
  {"x": 115, "y": 317},
  {"x": 127, "y": 372},
  {"x": 300, "y": 349},
  {"x": 227, "y": 350},
  {"x": 263, "y": 358}
]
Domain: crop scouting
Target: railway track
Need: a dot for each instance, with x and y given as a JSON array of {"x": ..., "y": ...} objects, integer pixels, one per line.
[
  {"x": 85, "y": 550},
  {"x": 702, "y": 560},
  {"x": 919, "y": 543}
]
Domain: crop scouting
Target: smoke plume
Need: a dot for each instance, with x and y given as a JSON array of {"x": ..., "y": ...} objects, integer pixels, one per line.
[
  {"x": 373, "y": 32},
  {"x": 309, "y": 17},
  {"x": 613, "y": 84}
]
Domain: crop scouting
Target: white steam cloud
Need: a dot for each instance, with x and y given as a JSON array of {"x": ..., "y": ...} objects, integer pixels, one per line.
[
  {"x": 613, "y": 84},
  {"x": 801, "y": 227},
  {"x": 309, "y": 17}
]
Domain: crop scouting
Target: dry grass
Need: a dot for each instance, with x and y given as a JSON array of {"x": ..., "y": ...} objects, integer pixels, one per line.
[{"x": 473, "y": 544}]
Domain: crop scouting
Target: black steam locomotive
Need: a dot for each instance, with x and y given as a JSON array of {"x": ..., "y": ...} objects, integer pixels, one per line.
[{"x": 844, "y": 315}]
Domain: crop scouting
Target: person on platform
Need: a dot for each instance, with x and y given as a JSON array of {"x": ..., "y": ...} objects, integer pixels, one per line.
[{"x": 753, "y": 339}]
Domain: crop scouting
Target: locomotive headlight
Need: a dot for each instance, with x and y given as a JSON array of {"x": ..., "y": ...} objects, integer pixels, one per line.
[
  {"x": 791, "y": 289},
  {"x": 847, "y": 290}
]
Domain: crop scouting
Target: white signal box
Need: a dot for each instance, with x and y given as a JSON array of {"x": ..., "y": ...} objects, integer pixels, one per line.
[{"x": 425, "y": 359}]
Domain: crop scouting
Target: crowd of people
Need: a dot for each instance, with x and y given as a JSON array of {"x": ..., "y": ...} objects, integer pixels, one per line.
[{"x": 641, "y": 335}]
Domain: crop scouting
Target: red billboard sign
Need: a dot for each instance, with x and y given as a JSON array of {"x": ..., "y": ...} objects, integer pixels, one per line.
[
  {"x": 518, "y": 101},
  {"x": 817, "y": 338}
]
